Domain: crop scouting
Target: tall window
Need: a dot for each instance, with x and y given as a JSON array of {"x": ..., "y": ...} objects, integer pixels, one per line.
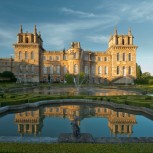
[
  {"x": 20, "y": 55},
  {"x": 123, "y": 56},
  {"x": 64, "y": 57},
  {"x": 105, "y": 59},
  {"x": 74, "y": 55},
  {"x": 86, "y": 69},
  {"x": 32, "y": 55},
  {"x": 32, "y": 68},
  {"x": 27, "y": 40},
  {"x": 93, "y": 69},
  {"x": 65, "y": 69},
  {"x": 106, "y": 70},
  {"x": 130, "y": 70},
  {"x": 99, "y": 58},
  {"x": 86, "y": 57},
  {"x": 57, "y": 69},
  {"x": 51, "y": 69},
  {"x": 57, "y": 58},
  {"x": 45, "y": 70},
  {"x": 27, "y": 68},
  {"x": 26, "y": 55},
  {"x": 51, "y": 58},
  {"x": 20, "y": 68},
  {"x": 124, "y": 71},
  {"x": 44, "y": 57},
  {"x": 130, "y": 57},
  {"x": 118, "y": 70},
  {"x": 75, "y": 68},
  {"x": 99, "y": 70},
  {"x": 118, "y": 56}
]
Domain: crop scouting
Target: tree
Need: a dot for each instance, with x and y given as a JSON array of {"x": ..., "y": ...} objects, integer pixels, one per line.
[
  {"x": 146, "y": 75},
  {"x": 138, "y": 71},
  {"x": 69, "y": 78},
  {"x": 7, "y": 74}
]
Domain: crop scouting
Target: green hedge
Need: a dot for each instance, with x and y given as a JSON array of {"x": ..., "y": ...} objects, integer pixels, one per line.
[{"x": 75, "y": 148}]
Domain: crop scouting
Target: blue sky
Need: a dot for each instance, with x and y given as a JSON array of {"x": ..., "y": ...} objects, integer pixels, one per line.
[{"x": 89, "y": 21}]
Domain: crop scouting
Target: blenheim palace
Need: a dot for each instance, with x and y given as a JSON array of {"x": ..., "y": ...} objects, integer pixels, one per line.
[{"x": 32, "y": 63}]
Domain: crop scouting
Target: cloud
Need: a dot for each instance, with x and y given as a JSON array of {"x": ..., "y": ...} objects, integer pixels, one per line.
[
  {"x": 57, "y": 35},
  {"x": 98, "y": 39},
  {"x": 77, "y": 12},
  {"x": 143, "y": 11}
]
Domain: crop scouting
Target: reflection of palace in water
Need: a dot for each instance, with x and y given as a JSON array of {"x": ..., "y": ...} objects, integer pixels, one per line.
[{"x": 31, "y": 122}]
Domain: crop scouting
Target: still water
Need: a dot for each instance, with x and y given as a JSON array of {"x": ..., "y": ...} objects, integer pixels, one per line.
[
  {"x": 52, "y": 120},
  {"x": 82, "y": 91}
]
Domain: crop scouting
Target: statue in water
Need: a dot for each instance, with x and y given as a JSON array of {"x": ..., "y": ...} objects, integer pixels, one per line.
[{"x": 75, "y": 127}]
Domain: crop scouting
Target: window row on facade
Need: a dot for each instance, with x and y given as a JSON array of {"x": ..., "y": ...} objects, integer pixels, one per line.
[
  {"x": 124, "y": 70},
  {"x": 66, "y": 57},
  {"x": 57, "y": 69},
  {"x": 26, "y": 69},
  {"x": 26, "y": 55},
  {"x": 124, "y": 57}
]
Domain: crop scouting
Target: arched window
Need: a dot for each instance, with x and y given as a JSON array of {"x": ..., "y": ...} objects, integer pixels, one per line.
[
  {"x": 106, "y": 70},
  {"x": 32, "y": 68},
  {"x": 64, "y": 57},
  {"x": 57, "y": 58},
  {"x": 51, "y": 69},
  {"x": 45, "y": 70},
  {"x": 20, "y": 55},
  {"x": 124, "y": 57},
  {"x": 93, "y": 69},
  {"x": 118, "y": 70},
  {"x": 130, "y": 57},
  {"x": 57, "y": 69},
  {"x": 99, "y": 70},
  {"x": 51, "y": 58},
  {"x": 20, "y": 68},
  {"x": 74, "y": 55},
  {"x": 118, "y": 56},
  {"x": 105, "y": 59},
  {"x": 99, "y": 58},
  {"x": 27, "y": 68},
  {"x": 86, "y": 69},
  {"x": 32, "y": 55},
  {"x": 75, "y": 68},
  {"x": 26, "y": 55},
  {"x": 130, "y": 70},
  {"x": 65, "y": 69},
  {"x": 27, "y": 40},
  {"x": 124, "y": 71}
]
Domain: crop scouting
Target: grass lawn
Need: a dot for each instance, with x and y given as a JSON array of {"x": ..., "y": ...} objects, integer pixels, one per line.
[{"x": 75, "y": 148}]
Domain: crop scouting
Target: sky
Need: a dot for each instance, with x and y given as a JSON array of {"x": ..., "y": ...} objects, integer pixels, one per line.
[{"x": 91, "y": 22}]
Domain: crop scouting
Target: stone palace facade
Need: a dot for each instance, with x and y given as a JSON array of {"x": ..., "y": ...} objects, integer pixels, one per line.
[{"x": 32, "y": 63}]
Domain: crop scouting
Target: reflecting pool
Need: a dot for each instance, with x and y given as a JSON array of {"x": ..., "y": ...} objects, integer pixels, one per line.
[
  {"x": 52, "y": 120},
  {"x": 92, "y": 91}
]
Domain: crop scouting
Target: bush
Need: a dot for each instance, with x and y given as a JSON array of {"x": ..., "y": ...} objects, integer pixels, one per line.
[
  {"x": 148, "y": 98},
  {"x": 13, "y": 96},
  {"x": 150, "y": 81}
]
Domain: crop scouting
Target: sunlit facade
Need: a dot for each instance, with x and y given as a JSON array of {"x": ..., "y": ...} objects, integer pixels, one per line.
[{"x": 32, "y": 63}]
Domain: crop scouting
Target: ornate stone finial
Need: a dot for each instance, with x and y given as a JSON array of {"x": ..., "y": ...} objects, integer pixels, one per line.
[
  {"x": 115, "y": 30},
  {"x": 129, "y": 32},
  {"x": 35, "y": 29},
  {"x": 21, "y": 29},
  {"x": 111, "y": 36},
  {"x": 39, "y": 34}
]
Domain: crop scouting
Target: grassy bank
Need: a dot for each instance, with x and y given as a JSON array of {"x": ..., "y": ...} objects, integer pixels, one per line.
[{"x": 75, "y": 148}]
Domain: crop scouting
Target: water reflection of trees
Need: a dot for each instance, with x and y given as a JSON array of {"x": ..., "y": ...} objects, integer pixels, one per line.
[{"x": 31, "y": 122}]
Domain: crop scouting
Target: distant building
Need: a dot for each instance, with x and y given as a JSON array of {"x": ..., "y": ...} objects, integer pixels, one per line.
[{"x": 32, "y": 63}]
